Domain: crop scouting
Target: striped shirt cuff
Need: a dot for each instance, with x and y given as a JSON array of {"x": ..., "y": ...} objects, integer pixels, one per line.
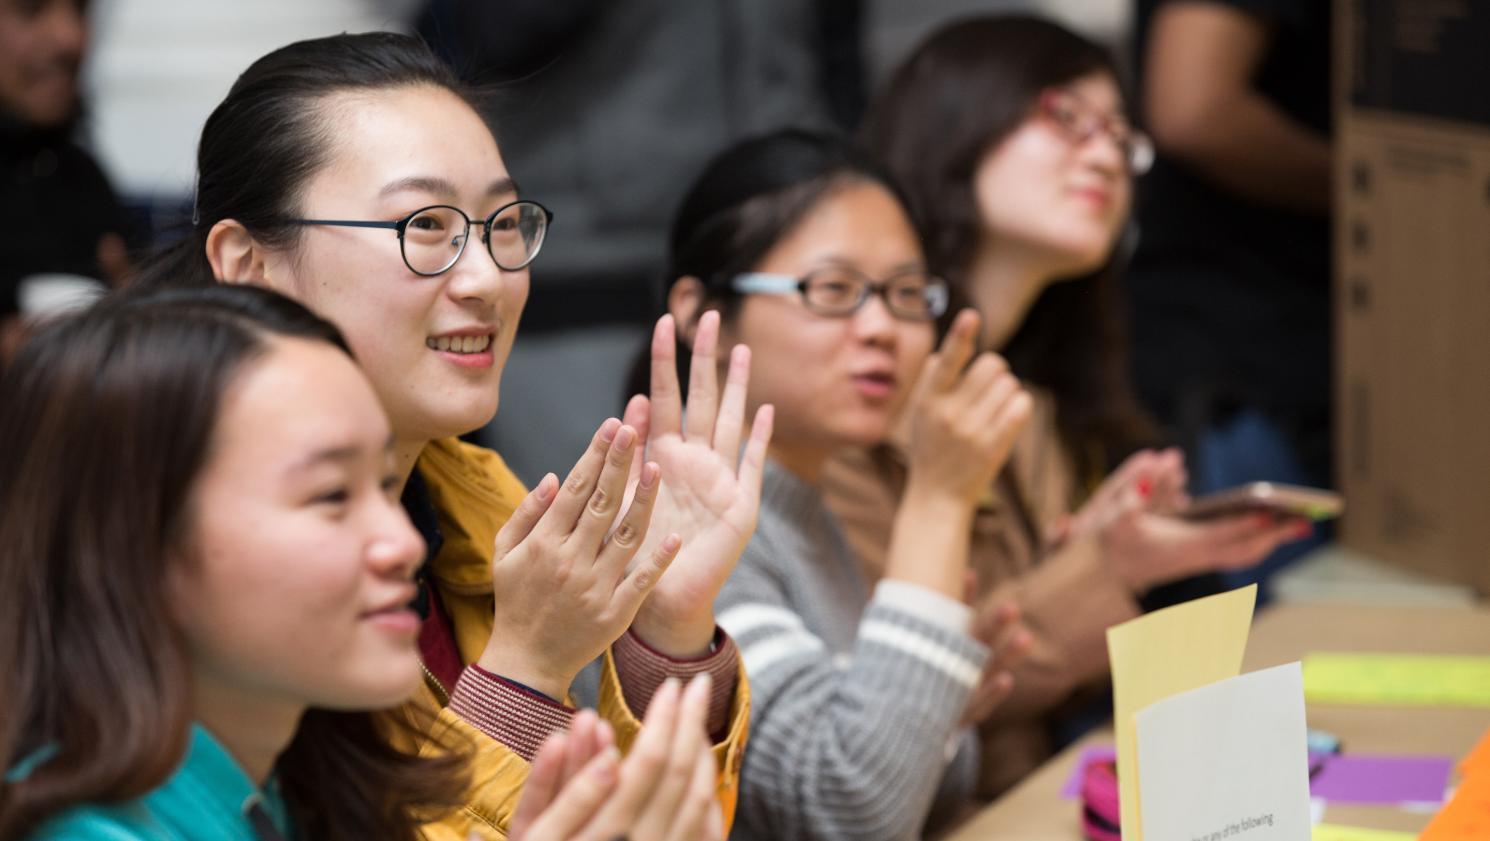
[
  {"x": 642, "y": 669},
  {"x": 509, "y": 712},
  {"x": 925, "y": 604}
]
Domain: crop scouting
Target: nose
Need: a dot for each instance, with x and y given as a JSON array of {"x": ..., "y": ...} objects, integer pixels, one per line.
[
  {"x": 1102, "y": 152},
  {"x": 873, "y": 323},
  {"x": 65, "y": 27},
  {"x": 396, "y": 549},
  {"x": 475, "y": 277}
]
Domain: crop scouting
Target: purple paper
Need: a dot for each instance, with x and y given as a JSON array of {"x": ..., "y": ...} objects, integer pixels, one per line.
[
  {"x": 1346, "y": 778},
  {"x": 1361, "y": 778},
  {"x": 1095, "y": 753}
]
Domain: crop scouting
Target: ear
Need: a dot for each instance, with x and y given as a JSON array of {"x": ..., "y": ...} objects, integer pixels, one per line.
[
  {"x": 685, "y": 302},
  {"x": 235, "y": 256}
]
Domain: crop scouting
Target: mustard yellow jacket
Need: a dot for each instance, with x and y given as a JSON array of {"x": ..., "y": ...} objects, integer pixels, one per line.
[{"x": 474, "y": 493}]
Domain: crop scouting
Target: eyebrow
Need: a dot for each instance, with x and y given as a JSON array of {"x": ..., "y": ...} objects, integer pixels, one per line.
[
  {"x": 340, "y": 453},
  {"x": 444, "y": 187}
]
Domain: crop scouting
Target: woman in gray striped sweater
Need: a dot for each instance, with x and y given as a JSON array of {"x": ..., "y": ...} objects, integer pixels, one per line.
[{"x": 863, "y": 690}]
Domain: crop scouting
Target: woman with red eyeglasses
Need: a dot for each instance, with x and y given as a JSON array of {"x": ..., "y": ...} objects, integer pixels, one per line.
[{"x": 1011, "y": 137}]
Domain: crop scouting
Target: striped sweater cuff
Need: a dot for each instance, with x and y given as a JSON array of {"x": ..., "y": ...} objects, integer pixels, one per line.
[
  {"x": 642, "y": 669},
  {"x": 926, "y": 604},
  {"x": 955, "y": 657},
  {"x": 509, "y": 712}
]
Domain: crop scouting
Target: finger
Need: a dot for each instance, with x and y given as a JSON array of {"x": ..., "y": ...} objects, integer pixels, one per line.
[
  {"x": 675, "y": 780},
  {"x": 640, "y": 581},
  {"x": 543, "y": 783},
  {"x": 1013, "y": 647},
  {"x": 991, "y": 398},
  {"x": 1251, "y": 550},
  {"x": 1223, "y": 531},
  {"x": 667, "y": 400},
  {"x": 714, "y": 830},
  {"x": 580, "y": 803},
  {"x": 580, "y": 484},
  {"x": 638, "y": 416},
  {"x": 581, "y": 743},
  {"x": 732, "y": 406},
  {"x": 970, "y": 587},
  {"x": 526, "y": 516},
  {"x": 1013, "y": 416},
  {"x": 605, "y": 735},
  {"x": 622, "y": 544},
  {"x": 989, "y": 694},
  {"x": 692, "y": 814},
  {"x": 640, "y": 772},
  {"x": 990, "y": 625},
  {"x": 605, "y": 501},
  {"x": 956, "y": 349},
  {"x": 703, "y": 380},
  {"x": 753, "y": 462}
]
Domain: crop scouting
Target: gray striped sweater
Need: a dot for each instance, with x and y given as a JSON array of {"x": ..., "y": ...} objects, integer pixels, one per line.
[{"x": 855, "y": 696}]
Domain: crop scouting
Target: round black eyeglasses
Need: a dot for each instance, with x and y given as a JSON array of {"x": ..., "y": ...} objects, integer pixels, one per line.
[{"x": 433, "y": 238}]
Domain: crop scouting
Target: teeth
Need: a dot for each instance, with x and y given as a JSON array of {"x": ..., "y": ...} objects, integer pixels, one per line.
[{"x": 459, "y": 344}]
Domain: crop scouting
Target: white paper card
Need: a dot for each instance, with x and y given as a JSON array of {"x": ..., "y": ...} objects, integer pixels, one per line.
[{"x": 1227, "y": 761}]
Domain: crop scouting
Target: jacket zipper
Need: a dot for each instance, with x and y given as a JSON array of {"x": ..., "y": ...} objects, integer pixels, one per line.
[{"x": 434, "y": 683}]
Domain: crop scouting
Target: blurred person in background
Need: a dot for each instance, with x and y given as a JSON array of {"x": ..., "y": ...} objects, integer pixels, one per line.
[
  {"x": 867, "y": 681},
  {"x": 606, "y": 109},
  {"x": 1230, "y": 285},
  {"x": 63, "y": 233},
  {"x": 1022, "y": 202}
]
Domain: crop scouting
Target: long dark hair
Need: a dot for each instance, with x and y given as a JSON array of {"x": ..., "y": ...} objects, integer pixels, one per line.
[
  {"x": 107, "y": 421},
  {"x": 964, "y": 90},
  {"x": 271, "y": 133},
  {"x": 746, "y": 200}
]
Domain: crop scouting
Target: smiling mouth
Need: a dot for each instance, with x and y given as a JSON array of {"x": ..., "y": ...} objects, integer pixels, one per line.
[{"x": 459, "y": 344}]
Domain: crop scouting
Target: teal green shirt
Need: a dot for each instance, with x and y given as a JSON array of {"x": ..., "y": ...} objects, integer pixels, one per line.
[{"x": 208, "y": 798}]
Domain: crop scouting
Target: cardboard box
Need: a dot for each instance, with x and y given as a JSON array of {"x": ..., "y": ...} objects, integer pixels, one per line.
[{"x": 1413, "y": 283}]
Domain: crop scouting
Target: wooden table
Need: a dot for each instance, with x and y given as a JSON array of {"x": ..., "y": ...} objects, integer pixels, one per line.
[{"x": 1035, "y": 811}]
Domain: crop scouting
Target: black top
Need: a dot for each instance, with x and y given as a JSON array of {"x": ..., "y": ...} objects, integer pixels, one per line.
[
  {"x": 1231, "y": 299},
  {"x": 55, "y": 206}
]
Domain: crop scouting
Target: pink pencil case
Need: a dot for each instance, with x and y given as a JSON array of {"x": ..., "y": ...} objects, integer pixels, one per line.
[{"x": 1099, "y": 802}]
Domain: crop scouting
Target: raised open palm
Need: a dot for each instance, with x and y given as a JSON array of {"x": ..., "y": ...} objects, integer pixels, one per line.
[{"x": 710, "y": 492}]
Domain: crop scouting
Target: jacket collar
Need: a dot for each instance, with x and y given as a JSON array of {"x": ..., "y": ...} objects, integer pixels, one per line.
[
  {"x": 464, "y": 487},
  {"x": 210, "y": 784}
]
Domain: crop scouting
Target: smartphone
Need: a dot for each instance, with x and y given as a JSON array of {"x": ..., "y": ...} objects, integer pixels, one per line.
[{"x": 1287, "y": 500}]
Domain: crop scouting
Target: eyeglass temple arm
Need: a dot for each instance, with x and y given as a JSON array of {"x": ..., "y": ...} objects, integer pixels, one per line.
[
  {"x": 764, "y": 283},
  {"x": 347, "y": 223}
]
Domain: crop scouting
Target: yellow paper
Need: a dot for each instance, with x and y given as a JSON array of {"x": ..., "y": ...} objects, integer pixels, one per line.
[
  {"x": 1397, "y": 680},
  {"x": 1332, "y": 832},
  {"x": 1164, "y": 653}
]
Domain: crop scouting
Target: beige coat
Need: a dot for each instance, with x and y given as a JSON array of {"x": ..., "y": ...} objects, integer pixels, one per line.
[{"x": 1066, "y": 595}]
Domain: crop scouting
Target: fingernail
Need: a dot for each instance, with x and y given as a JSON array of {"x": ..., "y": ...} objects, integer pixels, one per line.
[
  {"x": 1145, "y": 486},
  {"x": 650, "y": 471},
  {"x": 624, "y": 437},
  {"x": 671, "y": 543},
  {"x": 546, "y": 487},
  {"x": 608, "y": 430},
  {"x": 701, "y": 684}
]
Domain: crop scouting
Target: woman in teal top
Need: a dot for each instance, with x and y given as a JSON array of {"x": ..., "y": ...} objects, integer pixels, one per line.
[{"x": 206, "y": 574}]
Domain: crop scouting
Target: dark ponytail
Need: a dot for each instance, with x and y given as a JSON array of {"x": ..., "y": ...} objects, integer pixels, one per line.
[{"x": 271, "y": 133}]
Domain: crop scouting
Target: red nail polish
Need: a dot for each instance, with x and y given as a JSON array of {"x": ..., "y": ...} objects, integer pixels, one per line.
[{"x": 1145, "y": 486}]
